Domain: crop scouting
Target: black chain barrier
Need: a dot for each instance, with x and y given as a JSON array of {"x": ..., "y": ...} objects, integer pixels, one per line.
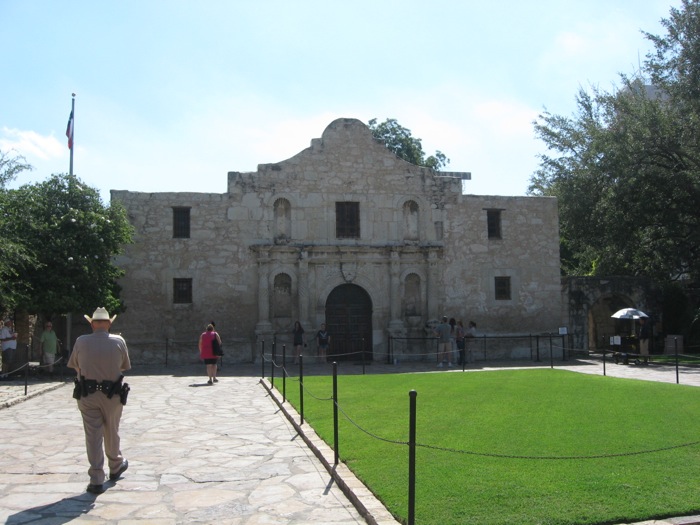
[{"x": 412, "y": 444}]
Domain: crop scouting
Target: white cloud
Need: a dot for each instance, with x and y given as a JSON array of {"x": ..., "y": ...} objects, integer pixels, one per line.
[{"x": 32, "y": 145}]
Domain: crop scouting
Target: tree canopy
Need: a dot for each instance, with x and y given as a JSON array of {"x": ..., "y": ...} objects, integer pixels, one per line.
[
  {"x": 399, "y": 140},
  {"x": 626, "y": 166},
  {"x": 64, "y": 239}
]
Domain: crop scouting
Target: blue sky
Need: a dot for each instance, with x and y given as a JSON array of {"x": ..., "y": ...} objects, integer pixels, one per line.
[{"x": 171, "y": 95}]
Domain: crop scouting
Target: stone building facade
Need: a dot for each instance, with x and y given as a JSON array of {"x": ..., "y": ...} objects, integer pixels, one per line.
[{"x": 345, "y": 233}]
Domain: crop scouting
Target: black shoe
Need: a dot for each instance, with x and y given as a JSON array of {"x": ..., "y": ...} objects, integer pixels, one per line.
[
  {"x": 95, "y": 489},
  {"x": 118, "y": 474}
]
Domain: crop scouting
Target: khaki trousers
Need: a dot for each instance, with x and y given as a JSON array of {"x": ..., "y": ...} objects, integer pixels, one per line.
[{"x": 101, "y": 418}]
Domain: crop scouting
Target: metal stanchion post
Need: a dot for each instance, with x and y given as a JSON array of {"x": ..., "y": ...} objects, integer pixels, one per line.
[
  {"x": 335, "y": 412},
  {"x": 262, "y": 358},
  {"x": 272, "y": 368},
  {"x": 284, "y": 373},
  {"x": 412, "y": 458},
  {"x": 301, "y": 389},
  {"x": 362, "y": 350},
  {"x": 675, "y": 343},
  {"x": 551, "y": 353}
]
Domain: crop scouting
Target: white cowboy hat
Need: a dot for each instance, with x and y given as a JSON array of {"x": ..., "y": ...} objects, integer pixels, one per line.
[{"x": 101, "y": 314}]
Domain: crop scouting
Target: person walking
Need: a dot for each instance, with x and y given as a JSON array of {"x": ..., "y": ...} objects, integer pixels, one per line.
[
  {"x": 49, "y": 346},
  {"x": 206, "y": 352},
  {"x": 99, "y": 360}
]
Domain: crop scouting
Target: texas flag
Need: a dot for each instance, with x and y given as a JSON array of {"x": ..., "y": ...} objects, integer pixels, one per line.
[{"x": 69, "y": 131}]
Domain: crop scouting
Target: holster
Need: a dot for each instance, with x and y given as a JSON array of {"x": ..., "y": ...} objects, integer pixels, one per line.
[
  {"x": 114, "y": 387},
  {"x": 77, "y": 389},
  {"x": 124, "y": 392}
]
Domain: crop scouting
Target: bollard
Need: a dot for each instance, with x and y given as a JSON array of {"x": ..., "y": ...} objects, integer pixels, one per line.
[
  {"x": 335, "y": 411},
  {"x": 284, "y": 373},
  {"x": 604, "y": 354},
  {"x": 301, "y": 389},
  {"x": 272, "y": 367},
  {"x": 262, "y": 358},
  {"x": 362, "y": 349},
  {"x": 675, "y": 344},
  {"x": 412, "y": 458}
]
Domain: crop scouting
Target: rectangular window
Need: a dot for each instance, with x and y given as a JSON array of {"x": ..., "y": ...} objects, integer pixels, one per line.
[
  {"x": 493, "y": 222},
  {"x": 502, "y": 287},
  {"x": 181, "y": 223},
  {"x": 347, "y": 220},
  {"x": 182, "y": 291}
]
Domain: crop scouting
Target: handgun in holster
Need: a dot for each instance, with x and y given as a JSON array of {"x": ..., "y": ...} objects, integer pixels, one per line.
[
  {"x": 79, "y": 388},
  {"x": 115, "y": 386},
  {"x": 124, "y": 392}
]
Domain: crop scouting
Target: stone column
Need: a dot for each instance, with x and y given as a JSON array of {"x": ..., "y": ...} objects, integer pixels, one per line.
[
  {"x": 432, "y": 291},
  {"x": 303, "y": 290},
  {"x": 263, "y": 327},
  {"x": 395, "y": 323}
]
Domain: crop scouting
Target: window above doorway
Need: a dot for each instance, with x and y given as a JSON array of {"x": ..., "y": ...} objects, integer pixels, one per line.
[{"x": 347, "y": 220}]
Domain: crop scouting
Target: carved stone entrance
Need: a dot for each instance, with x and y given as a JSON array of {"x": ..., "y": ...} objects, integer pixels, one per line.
[{"x": 349, "y": 323}]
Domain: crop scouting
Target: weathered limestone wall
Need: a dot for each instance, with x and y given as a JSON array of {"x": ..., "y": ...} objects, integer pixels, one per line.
[
  {"x": 423, "y": 252},
  {"x": 528, "y": 252}
]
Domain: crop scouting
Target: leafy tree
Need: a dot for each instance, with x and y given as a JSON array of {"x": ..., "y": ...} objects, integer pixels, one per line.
[
  {"x": 626, "y": 166},
  {"x": 11, "y": 166},
  {"x": 399, "y": 140},
  {"x": 12, "y": 253},
  {"x": 71, "y": 237}
]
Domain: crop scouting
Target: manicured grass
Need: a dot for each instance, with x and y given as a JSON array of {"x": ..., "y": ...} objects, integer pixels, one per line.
[{"x": 481, "y": 435}]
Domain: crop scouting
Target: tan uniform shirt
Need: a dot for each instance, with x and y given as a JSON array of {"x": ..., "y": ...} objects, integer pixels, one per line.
[{"x": 100, "y": 356}]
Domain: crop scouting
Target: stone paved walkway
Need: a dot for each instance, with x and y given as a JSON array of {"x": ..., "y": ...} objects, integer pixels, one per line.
[{"x": 199, "y": 454}]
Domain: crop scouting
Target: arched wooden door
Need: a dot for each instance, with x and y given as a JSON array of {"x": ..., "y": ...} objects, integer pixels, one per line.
[{"x": 349, "y": 323}]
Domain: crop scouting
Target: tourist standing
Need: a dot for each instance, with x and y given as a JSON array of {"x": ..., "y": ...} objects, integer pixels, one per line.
[
  {"x": 298, "y": 340},
  {"x": 206, "y": 352},
  {"x": 323, "y": 340},
  {"x": 459, "y": 339},
  {"x": 442, "y": 332},
  {"x": 49, "y": 346},
  {"x": 8, "y": 339}
]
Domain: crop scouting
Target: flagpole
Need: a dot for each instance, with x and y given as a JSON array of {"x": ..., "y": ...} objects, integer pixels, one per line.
[{"x": 72, "y": 131}]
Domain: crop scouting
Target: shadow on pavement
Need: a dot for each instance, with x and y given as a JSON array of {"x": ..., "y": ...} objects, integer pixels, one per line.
[{"x": 63, "y": 511}]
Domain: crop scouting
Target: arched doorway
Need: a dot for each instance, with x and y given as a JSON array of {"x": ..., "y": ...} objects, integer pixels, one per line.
[
  {"x": 601, "y": 326},
  {"x": 349, "y": 323}
]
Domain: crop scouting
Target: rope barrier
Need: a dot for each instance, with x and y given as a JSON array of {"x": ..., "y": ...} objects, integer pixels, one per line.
[
  {"x": 503, "y": 456},
  {"x": 367, "y": 431},
  {"x": 372, "y": 435},
  {"x": 549, "y": 458}
]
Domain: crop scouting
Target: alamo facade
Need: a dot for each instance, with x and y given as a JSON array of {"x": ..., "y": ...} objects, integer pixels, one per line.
[{"x": 344, "y": 233}]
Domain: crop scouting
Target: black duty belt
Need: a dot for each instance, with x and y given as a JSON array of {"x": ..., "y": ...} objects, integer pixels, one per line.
[
  {"x": 93, "y": 386},
  {"x": 83, "y": 387}
]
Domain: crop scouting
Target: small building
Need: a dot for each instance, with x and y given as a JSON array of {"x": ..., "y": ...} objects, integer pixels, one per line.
[{"x": 344, "y": 233}]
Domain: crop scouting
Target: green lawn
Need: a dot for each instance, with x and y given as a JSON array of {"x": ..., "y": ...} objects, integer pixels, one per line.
[{"x": 498, "y": 426}]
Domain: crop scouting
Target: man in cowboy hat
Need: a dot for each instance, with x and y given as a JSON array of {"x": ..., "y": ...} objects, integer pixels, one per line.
[{"x": 99, "y": 359}]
